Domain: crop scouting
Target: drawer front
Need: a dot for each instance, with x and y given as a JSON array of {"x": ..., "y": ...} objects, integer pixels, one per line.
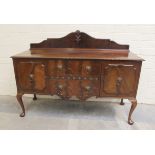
[
  {"x": 57, "y": 68},
  {"x": 90, "y": 88},
  {"x": 91, "y": 68},
  {"x": 58, "y": 87},
  {"x": 74, "y": 88},
  {"x": 77, "y": 78},
  {"x": 67, "y": 88},
  {"x": 74, "y": 67},
  {"x": 120, "y": 79}
]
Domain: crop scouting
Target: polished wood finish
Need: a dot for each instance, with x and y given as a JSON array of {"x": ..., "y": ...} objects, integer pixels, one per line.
[
  {"x": 19, "y": 98},
  {"x": 77, "y": 51},
  {"x": 78, "y": 40},
  {"x": 78, "y": 65},
  {"x": 133, "y": 106},
  {"x": 81, "y": 56}
]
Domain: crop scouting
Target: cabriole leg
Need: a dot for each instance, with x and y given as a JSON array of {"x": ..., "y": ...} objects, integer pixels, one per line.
[
  {"x": 122, "y": 103},
  {"x": 19, "y": 98},
  {"x": 34, "y": 97},
  {"x": 133, "y": 106}
]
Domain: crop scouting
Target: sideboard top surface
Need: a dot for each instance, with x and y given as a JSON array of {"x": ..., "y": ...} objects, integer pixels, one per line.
[{"x": 90, "y": 55}]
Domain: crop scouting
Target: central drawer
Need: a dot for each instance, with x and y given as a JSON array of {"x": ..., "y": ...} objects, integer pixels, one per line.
[
  {"x": 82, "y": 89},
  {"x": 78, "y": 78},
  {"x": 74, "y": 68}
]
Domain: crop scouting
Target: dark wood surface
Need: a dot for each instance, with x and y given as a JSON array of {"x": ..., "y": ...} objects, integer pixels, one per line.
[
  {"x": 78, "y": 40},
  {"x": 91, "y": 56},
  {"x": 82, "y": 73},
  {"x": 80, "y": 51}
]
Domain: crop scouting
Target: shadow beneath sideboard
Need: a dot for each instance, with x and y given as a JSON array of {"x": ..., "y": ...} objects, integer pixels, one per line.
[{"x": 72, "y": 109}]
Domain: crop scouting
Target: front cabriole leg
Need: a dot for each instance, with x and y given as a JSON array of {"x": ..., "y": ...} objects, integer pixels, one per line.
[
  {"x": 133, "y": 106},
  {"x": 19, "y": 98}
]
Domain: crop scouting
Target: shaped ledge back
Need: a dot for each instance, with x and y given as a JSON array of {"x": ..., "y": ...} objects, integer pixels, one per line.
[{"x": 78, "y": 40}]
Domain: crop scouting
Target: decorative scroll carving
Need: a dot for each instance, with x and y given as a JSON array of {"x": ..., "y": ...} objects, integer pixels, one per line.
[
  {"x": 77, "y": 35},
  {"x": 78, "y": 39}
]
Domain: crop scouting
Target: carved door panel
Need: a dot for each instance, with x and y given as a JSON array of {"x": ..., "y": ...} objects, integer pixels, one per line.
[
  {"x": 90, "y": 88},
  {"x": 58, "y": 87},
  {"x": 31, "y": 76},
  {"x": 118, "y": 80},
  {"x": 91, "y": 68}
]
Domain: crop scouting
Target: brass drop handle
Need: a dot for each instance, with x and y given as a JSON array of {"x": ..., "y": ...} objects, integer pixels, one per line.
[
  {"x": 60, "y": 86},
  {"x": 118, "y": 84},
  {"x": 43, "y": 65},
  {"x": 87, "y": 88},
  {"x": 59, "y": 67},
  {"x": 31, "y": 76},
  {"x": 119, "y": 80},
  {"x": 88, "y": 68}
]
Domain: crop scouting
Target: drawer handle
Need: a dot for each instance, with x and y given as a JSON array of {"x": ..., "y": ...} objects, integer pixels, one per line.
[
  {"x": 88, "y": 68},
  {"x": 79, "y": 78},
  {"x": 59, "y": 67},
  {"x": 87, "y": 88},
  {"x": 60, "y": 86}
]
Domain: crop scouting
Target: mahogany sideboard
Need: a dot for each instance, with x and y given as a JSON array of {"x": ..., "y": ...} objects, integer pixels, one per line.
[{"x": 78, "y": 65}]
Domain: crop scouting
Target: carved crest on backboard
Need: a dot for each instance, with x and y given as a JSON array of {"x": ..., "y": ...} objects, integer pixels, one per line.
[
  {"x": 78, "y": 39},
  {"x": 77, "y": 36}
]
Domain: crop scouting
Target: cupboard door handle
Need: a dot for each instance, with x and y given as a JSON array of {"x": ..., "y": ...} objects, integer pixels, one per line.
[
  {"x": 87, "y": 88},
  {"x": 118, "y": 84},
  {"x": 31, "y": 76},
  {"x": 119, "y": 79}
]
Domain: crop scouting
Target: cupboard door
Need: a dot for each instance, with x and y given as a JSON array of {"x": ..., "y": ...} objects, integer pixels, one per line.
[
  {"x": 24, "y": 70},
  {"x": 119, "y": 80},
  {"x": 31, "y": 76}
]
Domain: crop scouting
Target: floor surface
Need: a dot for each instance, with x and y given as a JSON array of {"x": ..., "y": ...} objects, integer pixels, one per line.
[{"x": 52, "y": 114}]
